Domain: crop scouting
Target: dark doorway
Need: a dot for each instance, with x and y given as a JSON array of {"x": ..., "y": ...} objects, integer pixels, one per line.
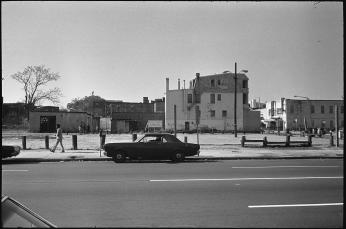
[
  {"x": 187, "y": 126},
  {"x": 133, "y": 126},
  {"x": 47, "y": 124}
]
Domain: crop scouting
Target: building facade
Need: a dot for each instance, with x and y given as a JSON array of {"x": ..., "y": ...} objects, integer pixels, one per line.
[
  {"x": 209, "y": 102},
  {"x": 295, "y": 114},
  {"x": 45, "y": 121},
  {"x": 128, "y": 117}
]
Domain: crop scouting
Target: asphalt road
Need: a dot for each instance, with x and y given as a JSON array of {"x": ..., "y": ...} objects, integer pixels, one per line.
[{"x": 229, "y": 193}]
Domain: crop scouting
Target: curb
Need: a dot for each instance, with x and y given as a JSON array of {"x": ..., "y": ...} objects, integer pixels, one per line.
[{"x": 38, "y": 160}]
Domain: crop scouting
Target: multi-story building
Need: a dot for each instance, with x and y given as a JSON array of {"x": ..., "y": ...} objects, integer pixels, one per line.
[
  {"x": 126, "y": 116},
  {"x": 296, "y": 114},
  {"x": 210, "y": 100}
]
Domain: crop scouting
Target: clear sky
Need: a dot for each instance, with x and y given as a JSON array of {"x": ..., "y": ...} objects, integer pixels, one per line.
[{"x": 125, "y": 50}]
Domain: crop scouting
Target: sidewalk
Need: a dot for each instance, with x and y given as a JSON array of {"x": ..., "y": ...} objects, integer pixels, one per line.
[
  {"x": 214, "y": 152},
  {"x": 213, "y": 146}
]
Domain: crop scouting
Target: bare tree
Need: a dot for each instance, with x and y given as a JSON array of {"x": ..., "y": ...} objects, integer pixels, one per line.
[{"x": 34, "y": 80}]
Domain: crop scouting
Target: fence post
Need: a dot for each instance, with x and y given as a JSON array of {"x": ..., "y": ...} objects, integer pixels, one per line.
[
  {"x": 242, "y": 141},
  {"x": 288, "y": 140},
  {"x": 331, "y": 139},
  {"x": 24, "y": 142},
  {"x": 265, "y": 141},
  {"x": 309, "y": 139},
  {"x": 47, "y": 141},
  {"x": 74, "y": 141}
]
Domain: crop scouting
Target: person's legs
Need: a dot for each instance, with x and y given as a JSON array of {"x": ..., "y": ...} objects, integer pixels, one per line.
[
  {"x": 62, "y": 147},
  {"x": 54, "y": 148}
]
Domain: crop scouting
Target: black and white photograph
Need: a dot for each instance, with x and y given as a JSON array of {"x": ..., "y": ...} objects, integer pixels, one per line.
[{"x": 172, "y": 114}]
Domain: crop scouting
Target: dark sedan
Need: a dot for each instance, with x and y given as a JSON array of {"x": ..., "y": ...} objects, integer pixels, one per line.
[
  {"x": 152, "y": 146},
  {"x": 9, "y": 151}
]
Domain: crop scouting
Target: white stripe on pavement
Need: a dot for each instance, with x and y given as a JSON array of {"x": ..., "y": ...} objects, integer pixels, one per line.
[
  {"x": 294, "y": 205},
  {"x": 9, "y": 170},
  {"x": 284, "y": 166},
  {"x": 251, "y": 178}
]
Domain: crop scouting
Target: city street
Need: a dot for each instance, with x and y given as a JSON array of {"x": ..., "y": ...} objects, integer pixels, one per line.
[{"x": 203, "y": 193}]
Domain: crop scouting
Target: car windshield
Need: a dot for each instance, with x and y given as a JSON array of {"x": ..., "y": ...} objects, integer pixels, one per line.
[{"x": 158, "y": 138}]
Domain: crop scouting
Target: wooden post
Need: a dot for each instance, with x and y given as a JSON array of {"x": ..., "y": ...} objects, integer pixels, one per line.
[
  {"x": 288, "y": 140},
  {"x": 47, "y": 141},
  {"x": 242, "y": 141},
  {"x": 309, "y": 139},
  {"x": 74, "y": 141},
  {"x": 265, "y": 142},
  {"x": 24, "y": 142}
]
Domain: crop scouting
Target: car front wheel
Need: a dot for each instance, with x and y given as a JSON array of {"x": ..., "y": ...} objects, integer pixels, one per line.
[
  {"x": 119, "y": 157},
  {"x": 178, "y": 157}
]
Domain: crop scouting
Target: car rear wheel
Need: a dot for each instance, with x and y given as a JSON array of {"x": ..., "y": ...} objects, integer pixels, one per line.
[
  {"x": 178, "y": 157},
  {"x": 119, "y": 157}
]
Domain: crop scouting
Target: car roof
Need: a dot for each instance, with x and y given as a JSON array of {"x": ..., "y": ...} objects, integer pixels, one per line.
[{"x": 157, "y": 134}]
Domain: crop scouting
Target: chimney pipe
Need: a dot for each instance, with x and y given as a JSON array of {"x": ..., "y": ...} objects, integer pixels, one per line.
[
  {"x": 178, "y": 84},
  {"x": 167, "y": 84}
]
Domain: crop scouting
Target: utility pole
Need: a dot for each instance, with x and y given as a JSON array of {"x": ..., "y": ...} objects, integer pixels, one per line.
[
  {"x": 337, "y": 124},
  {"x": 235, "y": 100},
  {"x": 175, "y": 120}
]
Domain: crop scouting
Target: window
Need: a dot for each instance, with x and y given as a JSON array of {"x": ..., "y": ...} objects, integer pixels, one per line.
[
  {"x": 245, "y": 98},
  {"x": 189, "y": 98},
  {"x": 331, "y": 109},
  {"x": 212, "y": 98},
  {"x": 322, "y": 109},
  {"x": 218, "y": 82},
  {"x": 219, "y": 97},
  {"x": 212, "y": 83},
  {"x": 224, "y": 114},
  {"x": 244, "y": 83},
  {"x": 212, "y": 113},
  {"x": 323, "y": 124},
  {"x": 312, "y": 109},
  {"x": 291, "y": 108},
  {"x": 312, "y": 123},
  {"x": 342, "y": 109},
  {"x": 331, "y": 124}
]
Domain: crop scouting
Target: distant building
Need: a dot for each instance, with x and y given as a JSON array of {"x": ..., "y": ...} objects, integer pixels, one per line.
[
  {"x": 13, "y": 114},
  {"x": 213, "y": 98},
  {"x": 44, "y": 120},
  {"x": 254, "y": 104},
  {"x": 127, "y": 117},
  {"x": 296, "y": 114}
]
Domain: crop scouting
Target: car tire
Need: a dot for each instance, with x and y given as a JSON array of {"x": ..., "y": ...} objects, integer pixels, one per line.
[
  {"x": 178, "y": 157},
  {"x": 119, "y": 157}
]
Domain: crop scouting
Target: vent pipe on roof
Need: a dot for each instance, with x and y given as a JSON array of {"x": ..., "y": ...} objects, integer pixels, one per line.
[
  {"x": 167, "y": 84},
  {"x": 178, "y": 84}
]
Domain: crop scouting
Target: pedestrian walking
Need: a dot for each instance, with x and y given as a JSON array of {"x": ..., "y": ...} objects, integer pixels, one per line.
[{"x": 58, "y": 139}]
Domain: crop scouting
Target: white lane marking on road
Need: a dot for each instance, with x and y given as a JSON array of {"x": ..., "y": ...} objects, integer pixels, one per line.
[
  {"x": 294, "y": 205},
  {"x": 250, "y": 178},
  {"x": 14, "y": 170},
  {"x": 284, "y": 166}
]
